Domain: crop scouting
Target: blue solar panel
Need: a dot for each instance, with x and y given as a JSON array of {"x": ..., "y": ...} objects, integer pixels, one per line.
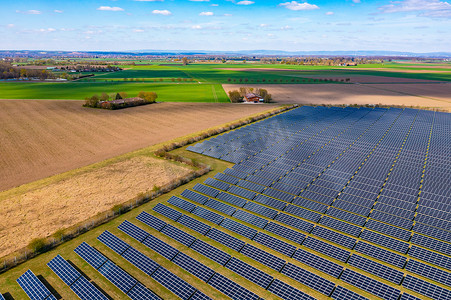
[
  {"x": 429, "y": 272},
  {"x": 381, "y": 254},
  {"x": 370, "y": 285},
  {"x": 275, "y": 244},
  {"x": 208, "y": 215},
  {"x": 294, "y": 222},
  {"x": 64, "y": 270},
  {"x": 193, "y": 266},
  {"x": 239, "y": 228},
  {"x": 194, "y": 224},
  {"x": 141, "y": 261},
  {"x": 133, "y": 231},
  {"x": 219, "y": 206},
  {"x": 385, "y": 241},
  {"x": 33, "y": 287},
  {"x": 173, "y": 283},
  {"x": 178, "y": 235},
  {"x": 249, "y": 272},
  {"x": 85, "y": 290},
  {"x": 201, "y": 199},
  {"x": 167, "y": 211},
  {"x": 341, "y": 293},
  {"x": 151, "y": 221},
  {"x": 160, "y": 247},
  {"x": 406, "y": 296},
  {"x": 230, "y": 288},
  {"x": 226, "y": 239},
  {"x": 335, "y": 237},
  {"x": 287, "y": 292},
  {"x": 90, "y": 255},
  {"x": 211, "y": 252},
  {"x": 242, "y": 192},
  {"x": 341, "y": 226},
  {"x": 431, "y": 243},
  {"x": 430, "y": 257},
  {"x": 285, "y": 232},
  {"x": 117, "y": 276},
  {"x": 318, "y": 262},
  {"x": 274, "y": 203},
  {"x": 376, "y": 268},
  {"x": 261, "y": 210},
  {"x": 327, "y": 249},
  {"x": 140, "y": 292},
  {"x": 250, "y": 218},
  {"x": 311, "y": 280},
  {"x": 113, "y": 242},
  {"x": 206, "y": 190},
  {"x": 227, "y": 178},
  {"x": 217, "y": 184},
  {"x": 426, "y": 288},
  {"x": 263, "y": 257},
  {"x": 303, "y": 213},
  {"x": 388, "y": 229},
  {"x": 181, "y": 203},
  {"x": 232, "y": 199}
]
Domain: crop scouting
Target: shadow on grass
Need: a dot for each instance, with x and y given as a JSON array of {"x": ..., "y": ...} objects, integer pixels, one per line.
[{"x": 50, "y": 287}]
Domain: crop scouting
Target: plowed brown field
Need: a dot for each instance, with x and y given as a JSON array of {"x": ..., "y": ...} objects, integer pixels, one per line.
[{"x": 40, "y": 138}]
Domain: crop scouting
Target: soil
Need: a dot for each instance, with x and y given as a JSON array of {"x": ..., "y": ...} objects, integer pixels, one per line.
[
  {"x": 40, "y": 138},
  {"x": 41, "y": 212},
  {"x": 431, "y": 95}
]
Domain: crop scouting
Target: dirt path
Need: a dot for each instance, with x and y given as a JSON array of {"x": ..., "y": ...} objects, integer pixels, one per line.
[{"x": 40, "y": 138}]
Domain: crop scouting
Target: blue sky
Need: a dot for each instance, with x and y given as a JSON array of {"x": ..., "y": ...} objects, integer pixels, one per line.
[{"x": 400, "y": 25}]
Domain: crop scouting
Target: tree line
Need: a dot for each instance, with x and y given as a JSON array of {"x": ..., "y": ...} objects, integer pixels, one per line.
[
  {"x": 108, "y": 101},
  {"x": 7, "y": 71},
  {"x": 237, "y": 96}
]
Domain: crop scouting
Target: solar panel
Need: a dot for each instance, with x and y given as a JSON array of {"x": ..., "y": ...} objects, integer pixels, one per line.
[
  {"x": 194, "y": 224},
  {"x": 117, "y": 276},
  {"x": 261, "y": 210},
  {"x": 388, "y": 229},
  {"x": 200, "y": 296},
  {"x": 133, "y": 231},
  {"x": 327, "y": 249},
  {"x": 250, "y": 218},
  {"x": 206, "y": 190},
  {"x": 90, "y": 255},
  {"x": 181, "y": 203},
  {"x": 341, "y": 226},
  {"x": 32, "y": 286},
  {"x": 113, "y": 242},
  {"x": 285, "y": 232},
  {"x": 318, "y": 262},
  {"x": 381, "y": 254},
  {"x": 160, "y": 247},
  {"x": 178, "y": 235},
  {"x": 335, "y": 237},
  {"x": 341, "y": 293},
  {"x": 295, "y": 222},
  {"x": 219, "y": 206},
  {"x": 208, "y": 215},
  {"x": 370, "y": 285},
  {"x": 287, "y": 292},
  {"x": 199, "y": 198},
  {"x": 311, "y": 280},
  {"x": 173, "y": 283},
  {"x": 429, "y": 272},
  {"x": 275, "y": 244},
  {"x": 227, "y": 178},
  {"x": 65, "y": 271},
  {"x": 85, "y": 290},
  {"x": 426, "y": 288},
  {"x": 274, "y": 203},
  {"x": 226, "y": 239},
  {"x": 232, "y": 199},
  {"x": 251, "y": 186},
  {"x": 141, "y": 261},
  {"x": 139, "y": 292},
  {"x": 406, "y": 296},
  {"x": 230, "y": 288},
  {"x": 263, "y": 257},
  {"x": 303, "y": 213},
  {"x": 249, "y": 272},
  {"x": 431, "y": 243},
  {"x": 167, "y": 211},
  {"x": 217, "y": 184},
  {"x": 151, "y": 221},
  {"x": 242, "y": 192},
  {"x": 239, "y": 228},
  {"x": 430, "y": 257},
  {"x": 385, "y": 241},
  {"x": 376, "y": 268},
  {"x": 211, "y": 252},
  {"x": 194, "y": 267}
]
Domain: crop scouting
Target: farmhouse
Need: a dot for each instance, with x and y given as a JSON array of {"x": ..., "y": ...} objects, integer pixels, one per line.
[{"x": 250, "y": 97}]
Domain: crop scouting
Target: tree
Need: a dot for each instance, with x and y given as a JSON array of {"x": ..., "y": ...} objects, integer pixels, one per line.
[
  {"x": 118, "y": 96},
  {"x": 104, "y": 97},
  {"x": 267, "y": 98},
  {"x": 123, "y": 95},
  {"x": 185, "y": 61},
  {"x": 235, "y": 96},
  {"x": 150, "y": 97}
]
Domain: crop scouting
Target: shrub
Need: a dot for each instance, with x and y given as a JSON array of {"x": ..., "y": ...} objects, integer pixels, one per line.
[{"x": 38, "y": 245}]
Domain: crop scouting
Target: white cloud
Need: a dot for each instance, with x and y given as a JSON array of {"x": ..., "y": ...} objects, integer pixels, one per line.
[
  {"x": 138, "y": 30},
  {"x": 164, "y": 12},
  {"x": 245, "y": 2},
  {"x": 199, "y": 0},
  {"x": 29, "y": 12},
  {"x": 58, "y": 11},
  {"x": 294, "y": 5},
  {"x": 206, "y": 13},
  {"x": 215, "y": 5},
  {"x": 196, "y": 27},
  {"x": 10, "y": 25},
  {"x": 228, "y": 15},
  {"x": 149, "y": 0},
  {"x": 109, "y": 8},
  {"x": 47, "y": 30},
  {"x": 329, "y": 13},
  {"x": 431, "y": 8},
  {"x": 264, "y": 25},
  {"x": 356, "y": 1}
]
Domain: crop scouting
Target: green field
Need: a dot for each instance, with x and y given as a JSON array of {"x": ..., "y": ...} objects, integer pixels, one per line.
[{"x": 202, "y": 82}]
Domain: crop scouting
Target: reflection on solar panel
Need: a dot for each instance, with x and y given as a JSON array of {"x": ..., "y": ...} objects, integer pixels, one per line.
[
  {"x": 33, "y": 287},
  {"x": 370, "y": 285},
  {"x": 178, "y": 235},
  {"x": 230, "y": 288},
  {"x": 275, "y": 244},
  {"x": 151, "y": 221},
  {"x": 194, "y": 224},
  {"x": 226, "y": 239},
  {"x": 326, "y": 248},
  {"x": 160, "y": 247},
  {"x": 285, "y": 232},
  {"x": 381, "y": 254},
  {"x": 201, "y": 199},
  {"x": 250, "y": 218},
  {"x": 341, "y": 293},
  {"x": 208, "y": 215},
  {"x": 287, "y": 292},
  {"x": 167, "y": 211},
  {"x": 249, "y": 272},
  {"x": 193, "y": 266},
  {"x": 211, "y": 252},
  {"x": 173, "y": 283},
  {"x": 70, "y": 276},
  {"x": 239, "y": 228},
  {"x": 133, "y": 231},
  {"x": 181, "y": 203},
  {"x": 263, "y": 257}
]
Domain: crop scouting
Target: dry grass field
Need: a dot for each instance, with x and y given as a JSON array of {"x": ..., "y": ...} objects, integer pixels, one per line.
[
  {"x": 40, "y": 138},
  {"x": 41, "y": 212},
  {"x": 431, "y": 95}
]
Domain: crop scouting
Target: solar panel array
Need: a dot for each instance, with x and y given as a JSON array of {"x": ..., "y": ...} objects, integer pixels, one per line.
[
  {"x": 327, "y": 198},
  {"x": 33, "y": 287}
]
